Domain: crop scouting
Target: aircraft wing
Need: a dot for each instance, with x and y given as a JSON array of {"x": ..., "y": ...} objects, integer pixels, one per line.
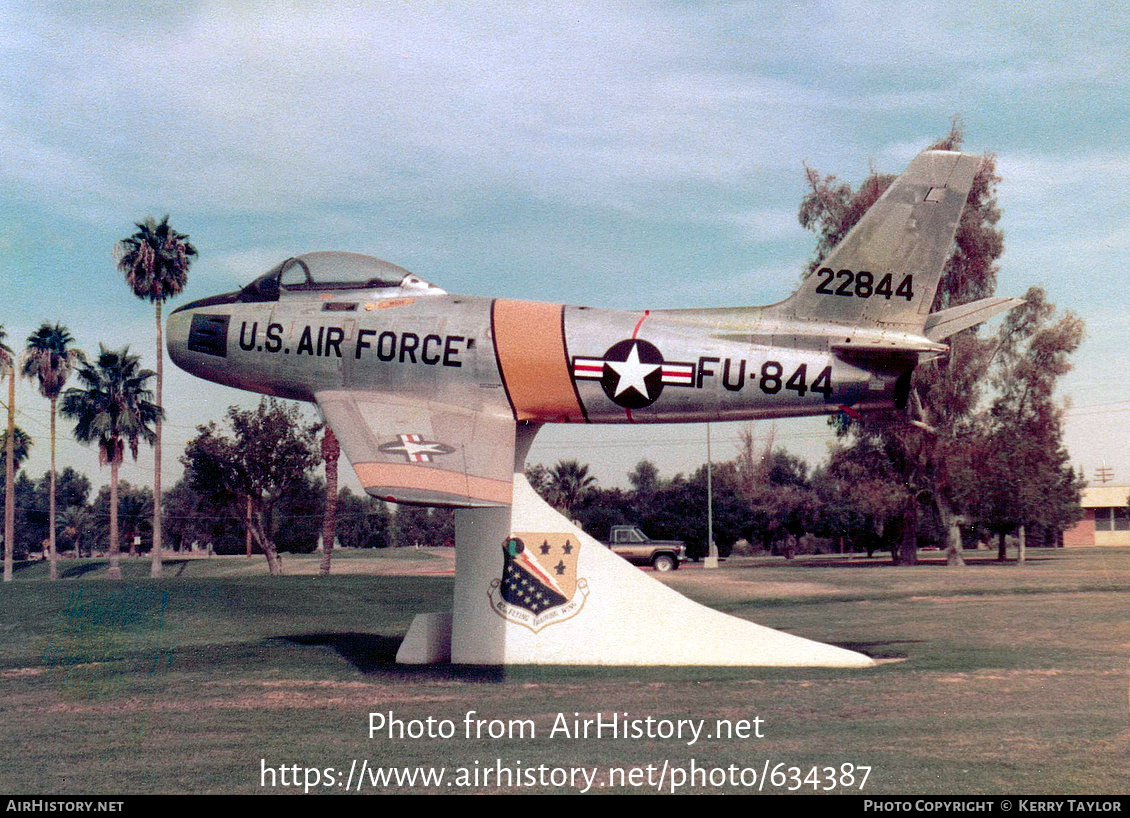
[{"x": 423, "y": 452}]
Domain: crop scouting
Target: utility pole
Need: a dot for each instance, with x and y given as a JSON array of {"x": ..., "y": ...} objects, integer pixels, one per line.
[
  {"x": 9, "y": 476},
  {"x": 711, "y": 560}
]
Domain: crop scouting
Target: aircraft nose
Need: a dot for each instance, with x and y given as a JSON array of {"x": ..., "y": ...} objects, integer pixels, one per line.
[
  {"x": 196, "y": 336},
  {"x": 177, "y": 331},
  {"x": 177, "y": 328}
]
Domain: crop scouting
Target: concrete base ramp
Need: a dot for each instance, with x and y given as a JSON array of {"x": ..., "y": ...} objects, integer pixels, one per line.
[{"x": 531, "y": 588}]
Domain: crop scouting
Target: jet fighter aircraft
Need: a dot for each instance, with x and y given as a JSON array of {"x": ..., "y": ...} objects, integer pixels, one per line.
[{"x": 425, "y": 390}]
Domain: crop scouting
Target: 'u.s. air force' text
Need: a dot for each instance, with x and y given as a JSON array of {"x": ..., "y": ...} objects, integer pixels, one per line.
[{"x": 386, "y": 345}]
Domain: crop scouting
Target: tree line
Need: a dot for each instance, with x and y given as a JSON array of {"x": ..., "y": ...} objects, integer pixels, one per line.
[
  {"x": 767, "y": 500},
  {"x": 204, "y": 515}
]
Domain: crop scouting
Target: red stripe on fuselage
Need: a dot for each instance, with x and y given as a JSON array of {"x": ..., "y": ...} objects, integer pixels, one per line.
[{"x": 639, "y": 323}]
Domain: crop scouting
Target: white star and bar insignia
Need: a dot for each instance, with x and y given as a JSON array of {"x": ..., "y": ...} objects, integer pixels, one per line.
[
  {"x": 633, "y": 373},
  {"x": 415, "y": 449}
]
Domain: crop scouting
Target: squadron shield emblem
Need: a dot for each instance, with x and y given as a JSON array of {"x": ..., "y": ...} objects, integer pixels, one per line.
[{"x": 539, "y": 584}]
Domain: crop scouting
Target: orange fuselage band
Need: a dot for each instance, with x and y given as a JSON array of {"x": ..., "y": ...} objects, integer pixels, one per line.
[{"x": 529, "y": 341}]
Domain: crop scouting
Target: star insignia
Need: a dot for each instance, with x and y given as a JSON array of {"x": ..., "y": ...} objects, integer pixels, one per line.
[
  {"x": 415, "y": 449},
  {"x": 632, "y": 374}
]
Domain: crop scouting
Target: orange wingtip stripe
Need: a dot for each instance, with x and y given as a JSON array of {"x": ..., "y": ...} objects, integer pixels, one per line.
[
  {"x": 430, "y": 479},
  {"x": 531, "y": 353}
]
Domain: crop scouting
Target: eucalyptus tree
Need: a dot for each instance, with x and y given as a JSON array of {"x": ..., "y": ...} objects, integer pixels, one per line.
[
  {"x": 155, "y": 261},
  {"x": 49, "y": 359},
  {"x": 946, "y": 391},
  {"x": 1016, "y": 473},
  {"x": 112, "y": 408}
]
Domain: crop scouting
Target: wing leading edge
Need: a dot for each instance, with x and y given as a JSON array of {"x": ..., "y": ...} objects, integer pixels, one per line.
[{"x": 423, "y": 452}]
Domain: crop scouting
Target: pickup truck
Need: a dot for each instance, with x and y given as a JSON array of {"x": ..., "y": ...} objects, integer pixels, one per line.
[{"x": 633, "y": 545}]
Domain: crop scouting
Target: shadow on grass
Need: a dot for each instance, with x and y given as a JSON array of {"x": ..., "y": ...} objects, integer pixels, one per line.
[
  {"x": 23, "y": 565},
  {"x": 180, "y": 565},
  {"x": 860, "y": 562},
  {"x": 81, "y": 570},
  {"x": 879, "y": 650},
  {"x": 373, "y": 654}
]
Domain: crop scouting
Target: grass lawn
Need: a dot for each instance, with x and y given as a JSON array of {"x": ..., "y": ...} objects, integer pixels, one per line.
[{"x": 994, "y": 679}]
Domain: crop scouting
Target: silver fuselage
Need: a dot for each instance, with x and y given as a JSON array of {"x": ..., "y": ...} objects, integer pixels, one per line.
[
  {"x": 535, "y": 361},
  {"x": 426, "y": 391}
]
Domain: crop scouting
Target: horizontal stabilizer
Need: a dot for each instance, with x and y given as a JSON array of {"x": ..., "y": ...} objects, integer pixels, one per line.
[
  {"x": 944, "y": 323},
  {"x": 924, "y": 348}
]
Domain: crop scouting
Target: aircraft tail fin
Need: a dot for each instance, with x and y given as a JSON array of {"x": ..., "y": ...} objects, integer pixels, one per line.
[{"x": 886, "y": 270}]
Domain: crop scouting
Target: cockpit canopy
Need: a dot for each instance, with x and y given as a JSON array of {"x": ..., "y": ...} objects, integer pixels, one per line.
[{"x": 326, "y": 271}]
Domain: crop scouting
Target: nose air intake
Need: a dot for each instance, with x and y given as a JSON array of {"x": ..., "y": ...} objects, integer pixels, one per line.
[{"x": 209, "y": 335}]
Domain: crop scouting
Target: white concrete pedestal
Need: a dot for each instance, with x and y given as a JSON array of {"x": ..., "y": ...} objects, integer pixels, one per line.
[{"x": 612, "y": 613}]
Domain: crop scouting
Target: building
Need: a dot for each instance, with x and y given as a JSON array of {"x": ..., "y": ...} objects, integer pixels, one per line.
[{"x": 1106, "y": 519}]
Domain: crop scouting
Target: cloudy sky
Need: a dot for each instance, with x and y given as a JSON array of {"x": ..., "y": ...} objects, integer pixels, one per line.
[{"x": 624, "y": 155}]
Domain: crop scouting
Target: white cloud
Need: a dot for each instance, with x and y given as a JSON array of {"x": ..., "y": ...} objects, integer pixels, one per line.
[
  {"x": 1037, "y": 177},
  {"x": 242, "y": 110},
  {"x": 758, "y": 225},
  {"x": 260, "y": 108}
]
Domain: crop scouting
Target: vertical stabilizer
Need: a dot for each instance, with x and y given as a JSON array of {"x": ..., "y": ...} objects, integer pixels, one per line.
[{"x": 886, "y": 270}]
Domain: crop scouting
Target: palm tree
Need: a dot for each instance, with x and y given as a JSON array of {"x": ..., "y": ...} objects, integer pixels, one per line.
[
  {"x": 6, "y": 369},
  {"x": 21, "y": 446},
  {"x": 16, "y": 454},
  {"x": 569, "y": 484},
  {"x": 331, "y": 450},
  {"x": 155, "y": 261},
  {"x": 134, "y": 506},
  {"x": 76, "y": 522},
  {"x": 112, "y": 408},
  {"x": 50, "y": 359}
]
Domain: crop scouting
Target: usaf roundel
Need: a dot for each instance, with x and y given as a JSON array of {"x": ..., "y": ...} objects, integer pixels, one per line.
[
  {"x": 414, "y": 449},
  {"x": 632, "y": 373}
]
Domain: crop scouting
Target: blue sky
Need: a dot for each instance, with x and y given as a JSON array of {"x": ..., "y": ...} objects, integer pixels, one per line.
[{"x": 624, "y": 155}]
